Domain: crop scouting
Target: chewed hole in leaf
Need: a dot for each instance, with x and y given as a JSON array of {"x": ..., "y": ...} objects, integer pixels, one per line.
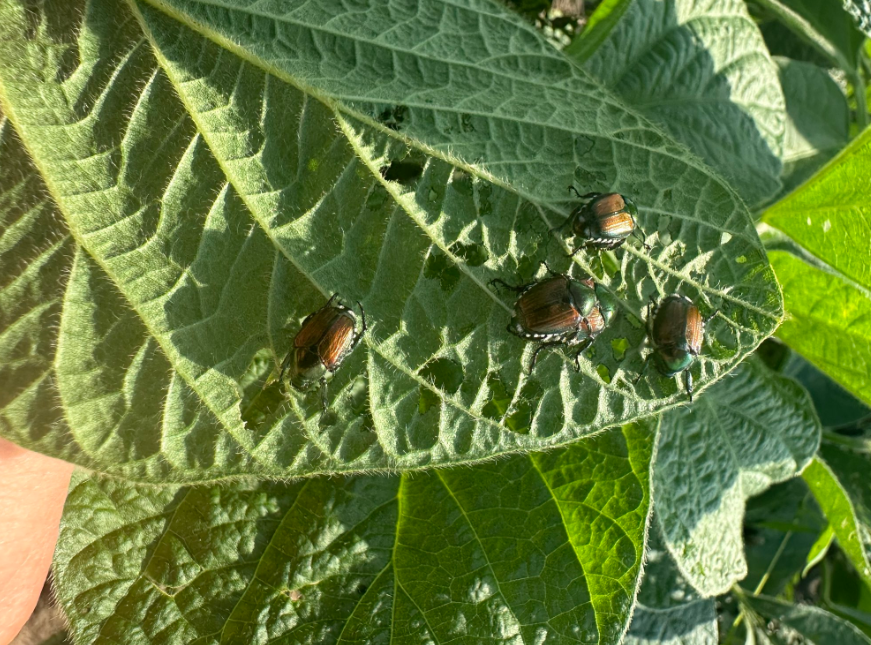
[
  {"x": 393, "y": 116},
  {"x": 604, "y": 373},
  {"x": 473, "y": 254},
  {"x": 520, "y": 419},
  {"x": 444, "y": 374},
  {"x": 440, "y": 267},
  {"x": 402, "y": 172},
  {"x": 619, "y": 347},
  {"x": 500, "y": 398}
]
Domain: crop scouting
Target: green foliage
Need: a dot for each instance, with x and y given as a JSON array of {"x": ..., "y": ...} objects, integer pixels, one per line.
[
  {"x": 706, "y": 77},
  {"x": 531, "y": 547},
  {"x": 183, "y": 181},
  {"x": 669, "y": 611},
  {"x": 752, "y": 430},
  {"x": 791, "y": 622},
  {"x": 824, "y": 266},
  {"x": 818, "y": 126},
  {"x": 213, "y": 204}
]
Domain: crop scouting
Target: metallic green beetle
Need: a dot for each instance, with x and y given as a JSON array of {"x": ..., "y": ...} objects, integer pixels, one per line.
[
  {"x": 676, "y": 330},
  {"x": 560, "y": 311}
]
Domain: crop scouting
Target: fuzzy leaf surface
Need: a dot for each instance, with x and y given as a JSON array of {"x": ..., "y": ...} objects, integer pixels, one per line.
[
  {"x": 212, "y": 203},
  {"x": 804, "y": 623},
  {"x": 538, "y": 548},
  {"x": 754, "y": 429},
  {"x": 669, "y": 611},
  {"x": 701, "y": 70},
  {"x": 818, "y": 126}
]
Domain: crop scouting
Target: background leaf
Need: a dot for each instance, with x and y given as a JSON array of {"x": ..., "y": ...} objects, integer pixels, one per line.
[
  {"x": 669, "y": 611},
  {"x": 213, "y": 205},
  {"x": 544, "y": 547},
  {"x": 827, "y": 279},
  {"x": 840, "y": 484},
  {"x": 818, "y": 126},
  {"x": 814, "y": 625},
  {"x": 754, "y": 429},
  {"x": 701, "y": 70}
]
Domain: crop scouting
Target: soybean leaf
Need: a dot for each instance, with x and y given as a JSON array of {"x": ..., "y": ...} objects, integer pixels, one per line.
[
  {"x": 752, "y": 430},
  {"x": 214, "y": 204},
  {"x": 544, "y": 547},
  {"x": 840, "y": 484},
  {"x": 669, "y": 611},
  {"x": 788, "y": 623},
  {"x": 702, "y": 71},
  {"x": 824, "y": 26},
  {"x": 782, "y": 531},
  {"x": 818, "y": 126},
  {"x": 826, "y": 271}
]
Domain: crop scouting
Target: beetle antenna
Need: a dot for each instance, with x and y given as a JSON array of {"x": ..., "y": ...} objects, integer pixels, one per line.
[
  {"x": 332, "y": 297},
  {"x": 572, "y": 188},
  {"x": 284, "y": 365}
]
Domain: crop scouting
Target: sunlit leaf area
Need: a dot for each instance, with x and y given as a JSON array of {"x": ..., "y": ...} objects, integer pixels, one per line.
[{"x": 447, "y": 322}]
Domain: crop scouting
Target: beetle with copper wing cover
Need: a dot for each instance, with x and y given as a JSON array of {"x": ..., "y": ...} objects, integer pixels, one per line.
[
  {"x": 676, "y": 330},
  {"x": 325, "y": 339},
  {"x": 560, "y": 311},
  {"x": 604, "y": 221}
]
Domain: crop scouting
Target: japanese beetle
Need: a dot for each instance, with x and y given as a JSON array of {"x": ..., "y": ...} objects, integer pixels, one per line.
[
  {"x": 677, "y": 330},
  {"x": 327, "y": 337},
  {"x": 604, "y": 221},
  {"x": 560, "y": 311}
]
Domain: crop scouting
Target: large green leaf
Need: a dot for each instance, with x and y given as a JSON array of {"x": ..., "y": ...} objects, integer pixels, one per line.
[
  {"x": 214, "y": 204},
  {"x": 752, "y": 430},
  {"x": 669, "y": 611},
  {"x": 543, "y": 548},
  {"x": 818, "y": 126},
  {"x": 790, "y": 623},
  {"x": 701, "y": 69},
  {"x": 827, "y": 278},
  {"x": 823, "y": 25},
  {"x": 840, "y": 484}
]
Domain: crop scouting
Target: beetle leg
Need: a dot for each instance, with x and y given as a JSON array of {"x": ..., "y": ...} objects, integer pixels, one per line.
[
  {"x": 510, "y": 287},
  {"x": 284, "y": 365},
  {"x": 363, "y": 328},
  {"x": 584, "y": 346},
  {"x": 643, "y": 369},
  {"x": 639, "y": 233},
  {"x": 710, "y": 316},
  {"x": 537, "y": 350},
  {"x": 688, "y": 381},
  {"x": 575, "y": 252}
]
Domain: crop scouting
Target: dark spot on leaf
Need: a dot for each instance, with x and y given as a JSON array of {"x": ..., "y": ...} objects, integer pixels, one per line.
[
  {"x": 499, "y": 401},
  {"x": 619, "y": 347},
  {"x": 461, "y": 181},
  {"x": 361, "y": 589},
  {"x": 583, "y": 145},
  {"x": 426, "y": 399},
  {"x": 402, "y": 172},
  {"x": 666, "y": 194},
  {"x": 520, "y": 420},
  {"x": 474, "y": 254},
  {"x": 466, "y": 123},
  {"x": 393, "y": 116},
  {"x": 590, "y": 177},
  {"x": 440, "y": 267},
  {"x": 327, "y": 418},
  {"x": 444, "y": 374},
  {"x": 485, "y": 206}
]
